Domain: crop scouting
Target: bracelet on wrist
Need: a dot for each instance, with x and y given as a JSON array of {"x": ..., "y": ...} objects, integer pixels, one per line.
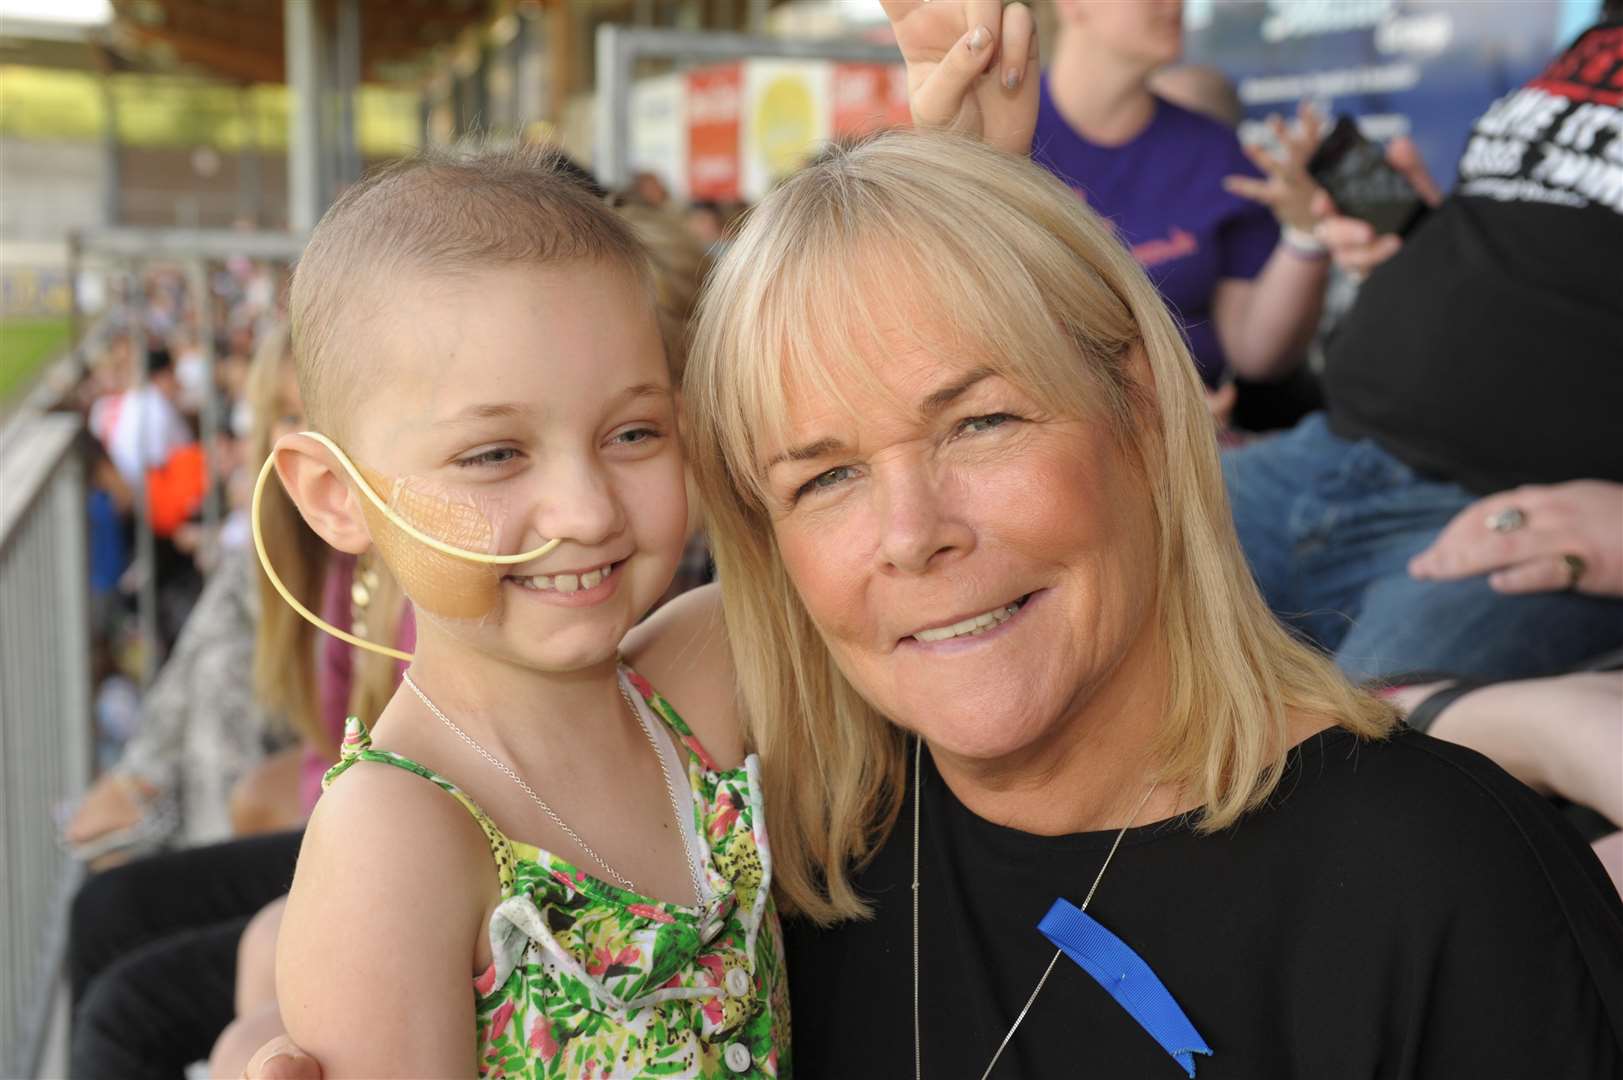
[{"x": 1303, "y": 243}]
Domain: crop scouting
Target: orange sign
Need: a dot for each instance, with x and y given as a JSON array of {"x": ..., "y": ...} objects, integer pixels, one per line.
[
  {"x": 869, "y": 98},
  {"x": 714, "y": 107}
]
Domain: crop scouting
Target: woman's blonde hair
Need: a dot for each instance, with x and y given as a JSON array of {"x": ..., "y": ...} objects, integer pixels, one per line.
[
  {"x": 991, "y": 257},
  {"x": 284, "y": 645}
]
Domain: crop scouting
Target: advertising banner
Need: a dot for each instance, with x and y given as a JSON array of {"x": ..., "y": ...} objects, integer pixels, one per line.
[
  {"x": 789, "y": 116},
  {"x": 1425, "y": 68},
  {"x": 869, "y": 98},
  {"x": 659, "y": 131},
  {"x": 714, "y": 114}
]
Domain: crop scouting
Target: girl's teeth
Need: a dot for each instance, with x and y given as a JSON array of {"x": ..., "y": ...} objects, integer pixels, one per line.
[{"x": 566, "y": 583}]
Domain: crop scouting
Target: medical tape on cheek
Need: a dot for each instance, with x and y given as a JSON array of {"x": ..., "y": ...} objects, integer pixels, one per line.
[
  {"x": 441, "y": 584},
  {"x": 429, "y": 569}
]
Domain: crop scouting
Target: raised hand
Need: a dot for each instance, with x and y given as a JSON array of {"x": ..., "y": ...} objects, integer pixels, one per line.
[
  {"x": 1286, "y": 188},
  {"x": 971, "y": 66},
  {"x": 1354, "y": 244}
]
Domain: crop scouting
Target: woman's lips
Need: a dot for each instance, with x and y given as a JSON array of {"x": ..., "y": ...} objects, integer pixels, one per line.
[{"x": 972, "y": 628}]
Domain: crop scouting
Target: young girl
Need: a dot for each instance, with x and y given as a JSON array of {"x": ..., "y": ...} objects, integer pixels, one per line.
[{"x": 530, "y": 865}]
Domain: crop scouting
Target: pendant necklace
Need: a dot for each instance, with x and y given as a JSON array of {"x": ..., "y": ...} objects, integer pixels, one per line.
[
  {"x": 918, "y": 784},
  {"x": 512, "y": 774}
]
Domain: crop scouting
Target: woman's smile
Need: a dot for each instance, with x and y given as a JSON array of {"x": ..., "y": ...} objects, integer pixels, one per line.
[{"x": 971, "y": 631}]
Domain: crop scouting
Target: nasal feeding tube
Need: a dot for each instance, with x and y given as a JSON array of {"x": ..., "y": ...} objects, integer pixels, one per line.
[{"x": 393, "y": 518}]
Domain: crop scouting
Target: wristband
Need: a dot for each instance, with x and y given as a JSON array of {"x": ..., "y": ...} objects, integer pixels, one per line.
[{"x": 1303, "y": 243}]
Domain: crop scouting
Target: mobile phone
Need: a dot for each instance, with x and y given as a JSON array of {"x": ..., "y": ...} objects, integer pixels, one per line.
[{"x": 1362, "y": 182}]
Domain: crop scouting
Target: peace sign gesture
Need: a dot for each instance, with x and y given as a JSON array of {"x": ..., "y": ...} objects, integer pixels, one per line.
[{"x": 971, "y": 67}]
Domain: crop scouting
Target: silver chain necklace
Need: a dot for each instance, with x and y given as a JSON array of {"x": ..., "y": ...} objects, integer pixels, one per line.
[
  {"x": 918, "y": 784},
  {"x": 670, "y": 790}
]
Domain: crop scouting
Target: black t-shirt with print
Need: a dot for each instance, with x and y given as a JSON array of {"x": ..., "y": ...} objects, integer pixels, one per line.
[
  {"x": 1398, "y": 910},
  {"x": 1489, "y": 351}
]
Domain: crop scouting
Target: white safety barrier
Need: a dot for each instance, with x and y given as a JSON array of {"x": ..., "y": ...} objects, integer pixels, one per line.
[{"x": 45, "y": 720}]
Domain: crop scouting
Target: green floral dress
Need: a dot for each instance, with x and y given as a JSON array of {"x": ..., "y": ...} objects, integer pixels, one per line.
[{"x": 589, "y": 981}]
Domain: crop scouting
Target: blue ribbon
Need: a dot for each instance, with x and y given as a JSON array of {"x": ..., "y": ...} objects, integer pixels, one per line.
[{"x": 1125, "y": 977}]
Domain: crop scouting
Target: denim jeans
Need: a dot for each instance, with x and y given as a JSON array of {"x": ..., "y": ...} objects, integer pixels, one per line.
[{"x": 1329, "y": 526}]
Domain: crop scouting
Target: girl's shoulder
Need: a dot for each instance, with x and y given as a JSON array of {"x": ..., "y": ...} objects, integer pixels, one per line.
[
  {"x": 374, "y": 813},
  {"x": 681, "y": 650},
  {"x": 385, "y": 918}
]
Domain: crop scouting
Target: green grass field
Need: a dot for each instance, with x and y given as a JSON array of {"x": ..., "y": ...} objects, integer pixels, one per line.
[{"x": 26, "y": 344}]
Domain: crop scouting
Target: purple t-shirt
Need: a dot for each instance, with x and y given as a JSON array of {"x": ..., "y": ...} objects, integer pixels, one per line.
[{"x": 1163, "y": 190}]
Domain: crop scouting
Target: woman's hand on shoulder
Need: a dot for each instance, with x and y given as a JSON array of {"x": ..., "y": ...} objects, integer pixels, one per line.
[
  {"x": 682, "y": 650},
  {"x": 375, "y": 957},
  {"x": 971, "y": 66}
]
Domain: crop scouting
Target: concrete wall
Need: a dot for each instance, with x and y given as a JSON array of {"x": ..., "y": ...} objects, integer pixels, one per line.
[{"x": 48, "y": 189}]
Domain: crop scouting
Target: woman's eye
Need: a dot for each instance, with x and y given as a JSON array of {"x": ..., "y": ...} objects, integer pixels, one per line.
[
  {"x": 501, "y": 455},
  {"x": 985, "y": 423},
  {"x": 825, "y": 480}
]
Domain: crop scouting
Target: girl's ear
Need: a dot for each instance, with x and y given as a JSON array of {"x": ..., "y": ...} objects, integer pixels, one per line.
[{"x": 319, "y": 487}]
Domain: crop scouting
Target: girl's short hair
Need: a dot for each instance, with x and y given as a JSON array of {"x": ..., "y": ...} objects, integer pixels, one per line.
[
  {"x": 444, "y": 212},
  {"x": 990, "y": 255}
]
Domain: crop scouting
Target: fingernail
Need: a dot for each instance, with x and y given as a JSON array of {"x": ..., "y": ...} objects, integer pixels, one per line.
[
  {"x": 1011, "y": 78},
  {"x": 979, "y": 38}
]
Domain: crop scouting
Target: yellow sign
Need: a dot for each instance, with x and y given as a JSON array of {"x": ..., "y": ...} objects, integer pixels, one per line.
[{"x": 785, "y": 124}]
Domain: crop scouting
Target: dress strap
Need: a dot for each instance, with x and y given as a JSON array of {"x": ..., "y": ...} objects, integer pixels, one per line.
[
  {"x": 357, "y": 746},
  {"x": 662, "y": 709}
]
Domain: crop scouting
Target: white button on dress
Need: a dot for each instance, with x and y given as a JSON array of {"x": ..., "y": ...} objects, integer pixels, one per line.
[
  {"x": 738, "y": 982},
  {"x": 737, "y": 1056}
]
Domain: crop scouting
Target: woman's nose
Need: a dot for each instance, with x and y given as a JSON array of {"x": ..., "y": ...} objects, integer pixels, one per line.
[{"x": 920, "y": 526}]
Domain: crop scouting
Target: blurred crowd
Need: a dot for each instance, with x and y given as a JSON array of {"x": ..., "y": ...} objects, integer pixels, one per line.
[{"x": 1407, "y": 495}]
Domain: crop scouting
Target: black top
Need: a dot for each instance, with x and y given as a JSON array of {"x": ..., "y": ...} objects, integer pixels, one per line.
[
  {"x": 1399, "y": 909},
  {"x": 1489, "y": 351}
]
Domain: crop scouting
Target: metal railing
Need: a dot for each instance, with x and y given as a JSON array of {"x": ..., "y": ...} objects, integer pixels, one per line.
[{"x": 45, "y": 722}]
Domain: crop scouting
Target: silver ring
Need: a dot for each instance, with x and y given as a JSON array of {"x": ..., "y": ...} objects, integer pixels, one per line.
[{"x": 1507, "y": 520}]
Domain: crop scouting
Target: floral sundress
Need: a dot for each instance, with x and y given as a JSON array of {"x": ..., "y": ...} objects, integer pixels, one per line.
[{"x": 590, "y": 981}]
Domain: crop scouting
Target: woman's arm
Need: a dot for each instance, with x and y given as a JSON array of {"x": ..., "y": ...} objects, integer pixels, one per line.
[
  {"x": 375, "y": 957},
  {"x": 1266, "y": 324}
]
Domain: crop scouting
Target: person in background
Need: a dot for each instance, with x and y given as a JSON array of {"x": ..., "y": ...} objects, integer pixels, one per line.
[
  {"x": 1561, "y": 735},
  {"x": 1199, "y": 88},
  {"x": 203, "y": 725},
  {"x": 154, "y": 945},
  {"x": 1481, "y": 355},
  {"x": 134, "y": 929},
  {"x": 1225, "y": 233},
  {"x": 141, "y": 426},
  {"x": 704, "y": 219}
]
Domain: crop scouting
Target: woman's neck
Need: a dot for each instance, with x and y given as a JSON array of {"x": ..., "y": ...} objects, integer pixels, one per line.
[{"x": 1104, "y": 97}]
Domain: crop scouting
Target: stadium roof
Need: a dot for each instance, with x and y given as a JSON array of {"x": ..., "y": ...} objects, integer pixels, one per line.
[{"x": 242, "y": 39}]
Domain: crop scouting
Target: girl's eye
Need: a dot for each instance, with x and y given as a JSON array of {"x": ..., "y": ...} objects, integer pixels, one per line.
[
  {"x": 634, "y": 436},
  {"x": 976, "y": 424},
  {"x": 825, "y": 480},
  {"x": 500, "y": 455}
]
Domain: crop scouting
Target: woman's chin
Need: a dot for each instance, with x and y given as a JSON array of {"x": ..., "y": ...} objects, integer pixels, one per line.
[{"x": 980, "y": 737}]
